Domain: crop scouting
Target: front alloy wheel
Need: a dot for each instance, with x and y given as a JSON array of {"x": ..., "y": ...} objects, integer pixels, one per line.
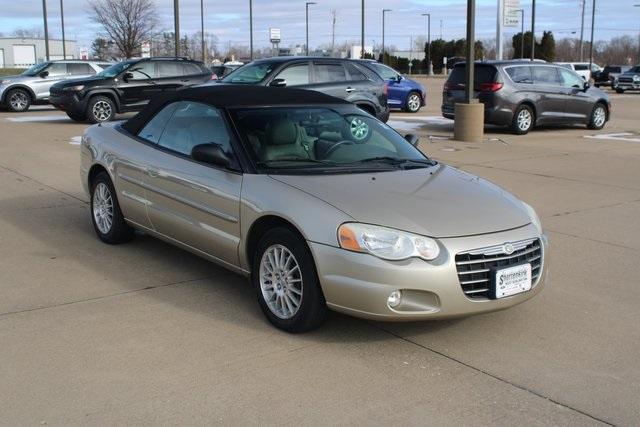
[
  {"x": 281, "y": 281},
  {"x": 598, "y": 117},
  {"x": 18, "y": 100},
  {"x": 100, "y": 109},
  {"x": 413, "y": 102}
]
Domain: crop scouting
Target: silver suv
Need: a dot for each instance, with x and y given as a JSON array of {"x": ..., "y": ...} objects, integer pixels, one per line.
[{"x": 17, "y": 93}]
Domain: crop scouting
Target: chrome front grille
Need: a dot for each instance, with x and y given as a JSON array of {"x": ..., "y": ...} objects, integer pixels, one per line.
[{"x": 474, "y": 267}]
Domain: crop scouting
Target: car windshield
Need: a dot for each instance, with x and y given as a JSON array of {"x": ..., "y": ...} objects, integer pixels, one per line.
[
  {"x": 250, "y": 73},
  {"x": 34, "y": 70},
  {"x": 115, "y": 69},
  {"x": 635, "y": 69},
  {"x": 322, "y": 140}
]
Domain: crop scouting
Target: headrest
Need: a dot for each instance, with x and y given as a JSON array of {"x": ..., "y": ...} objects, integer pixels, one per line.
[{"x": 282, "y": 132}]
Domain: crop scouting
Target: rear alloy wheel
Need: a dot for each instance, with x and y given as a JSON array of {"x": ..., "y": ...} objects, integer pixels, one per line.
[
  {"x": 106, "y": 216},
  {"x": 522, "y": 120},
  {"x": 100, "y": 109},
  {"x": 286, "y": 282},
  {"x": 18, "y": 100},
  {"x": 598, "y": 117},
  {"x": 413, "y": 103}
]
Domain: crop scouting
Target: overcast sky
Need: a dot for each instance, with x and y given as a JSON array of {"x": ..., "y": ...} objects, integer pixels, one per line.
[{"x": 228, "y": 19}]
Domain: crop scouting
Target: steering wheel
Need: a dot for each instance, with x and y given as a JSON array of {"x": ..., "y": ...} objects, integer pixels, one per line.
[{"x": 335, "y": 146}]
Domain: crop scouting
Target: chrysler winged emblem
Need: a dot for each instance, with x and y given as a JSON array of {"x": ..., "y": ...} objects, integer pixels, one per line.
[{"x": 507, "y": 248}]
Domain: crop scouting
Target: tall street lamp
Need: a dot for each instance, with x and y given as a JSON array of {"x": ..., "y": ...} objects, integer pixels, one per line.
[
  {"x": 176, "y": 26},
  {"x": 428, "y": 15},
  {"x": 521, "y": 32},
  {"x": 46, "y": 29},
  {"x": 533, "y": 30},
  {"x": 251, "y": 30},
  {"x": 638, "y": 5},
  {"x": 593, "y": 24},
  {"x": 362, "y": 31},
  {"x": 204, "y": 59},
  {"x": 383, "y": 13},
  {"x": 584, "y": 5},
  {"x": 64, "y": 47},
  {"x": 306, "y": 6}
]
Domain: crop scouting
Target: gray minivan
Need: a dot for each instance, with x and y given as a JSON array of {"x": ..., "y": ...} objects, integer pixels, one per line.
[{"x": 523, "y": 94}]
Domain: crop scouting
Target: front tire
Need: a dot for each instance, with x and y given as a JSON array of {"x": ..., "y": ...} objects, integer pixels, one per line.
[
  {"x": 77, "y": 117},
  {"x": 18, "y": 100},
  {"x": 286, "y": 282},
  {"x": 106, "y": 216},
  {"x": 619, "y": 90},
  {"x": 598, "y": 117},
  {"x": 100, "y": 109},
  {"x": 414, "y": 102},
  {"x": 523, "y": 120}
]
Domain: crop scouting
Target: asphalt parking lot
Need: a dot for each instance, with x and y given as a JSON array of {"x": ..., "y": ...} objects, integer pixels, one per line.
[{"x": 146, "y": 333}]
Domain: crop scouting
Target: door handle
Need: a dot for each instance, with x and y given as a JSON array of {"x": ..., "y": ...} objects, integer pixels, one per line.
[
  {"x": 349, "y": 89},
  {"x": 152, "y": 172}
]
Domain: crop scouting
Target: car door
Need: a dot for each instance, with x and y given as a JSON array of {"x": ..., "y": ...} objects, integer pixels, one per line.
[
  {"x": 330, "y": 77},
  {"x": 140, "y": 85},
  {"x": 193, "y": 74},
  {"x": 294, "y": 74},
  {"x": 551, "y": 98},
  {"x": 193, "y": 203},
  {"x": 55, "y": 72},
  {"x": 170, "y": 75},
  {"x": 578, "y": 103},
  {"x": 396, "y": 85}
]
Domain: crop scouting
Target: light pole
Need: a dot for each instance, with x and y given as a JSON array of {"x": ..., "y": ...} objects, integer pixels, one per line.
[
  {"x": 306, "y": 6},
  {"x": 593, "y": 24},
  {"x": 533, "y": 29},
  {"x": 176, "y": 26},
  {"x": 204, "y": 59},
  {"x": 64, "y": 48},
  {"x": 521, "y": 32},
  {"x": 362, "y": 31},
  {"x": 46, "y": 29},
  {"x": 251, "y": 30},
  {"x": 428, "y": 15},
  {"x": 638, "y": 5},
  {"x": 584, "y": 5},
  {"x": 383, "y": 13}
]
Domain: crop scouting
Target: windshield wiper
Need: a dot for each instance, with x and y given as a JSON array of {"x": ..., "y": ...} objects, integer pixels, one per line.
[
  {"x": 295, "y": 159},
  {"x": 396, "y": 161}
]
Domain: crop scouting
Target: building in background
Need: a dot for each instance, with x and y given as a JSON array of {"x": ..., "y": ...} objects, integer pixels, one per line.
[{"x": 24, "y": 52}]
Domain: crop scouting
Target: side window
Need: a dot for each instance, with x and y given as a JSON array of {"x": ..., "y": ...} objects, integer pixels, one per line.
[
  {"x": 329, "y": 73},
  {"x": 570, "y": 79},
  {"x": 80, "y": 69},
  {"x": 57, "y": 69},
  {"x": 144, "y": 70},
  {"x": 581, "y": 67},
  {"x": 545, "y": 76},
  {"x": 190, "y": 69},
  {"x": 154, "y": 127},
  {"x": 385, "y": 72},
  {"x": 295, "y": 75},
  {"x": 520, "y": 74},
  {"x": 169, "y": 69},
  {"x": 193, "y": 124},
  {"x": 354, "y": 73}
]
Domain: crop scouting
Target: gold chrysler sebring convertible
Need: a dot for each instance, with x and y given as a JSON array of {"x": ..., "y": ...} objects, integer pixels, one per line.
[{"x": 319, "y": 203}]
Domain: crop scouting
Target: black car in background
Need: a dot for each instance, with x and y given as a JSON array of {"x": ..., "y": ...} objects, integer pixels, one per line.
[
  {"x": 341, "y": 78},
  {"x": 219, "y": 71},
  {"x": 609, "y": 74},
  {"x": 125, "y": 86},
  {"x": 523, "y": 94}
]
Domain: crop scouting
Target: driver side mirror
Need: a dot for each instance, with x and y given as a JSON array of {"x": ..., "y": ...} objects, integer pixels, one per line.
[
  {"x": 278, "y": 83},
  {"x": 211, "y": 154},
  {"x": 43, "y": 74},
  {"x": 586, "y": 86},
  {"x": 399, "y": 78},
  {"x": 127, "y": 76},
  {"x": 412, "y": 139}
]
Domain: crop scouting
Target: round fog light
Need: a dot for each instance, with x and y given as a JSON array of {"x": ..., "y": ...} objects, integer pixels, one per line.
[{"x": 394, "y": 299}]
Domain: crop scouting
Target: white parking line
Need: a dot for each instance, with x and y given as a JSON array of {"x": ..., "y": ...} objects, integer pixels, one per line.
[
  {"x": 23, "y": 119},
  {"x": 622, "y": 136}
]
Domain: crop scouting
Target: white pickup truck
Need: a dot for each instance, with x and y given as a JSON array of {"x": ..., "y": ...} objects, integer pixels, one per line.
[{"x": 582, "y": 68}]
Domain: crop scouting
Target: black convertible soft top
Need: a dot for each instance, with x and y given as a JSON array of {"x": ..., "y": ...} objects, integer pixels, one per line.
[{"x": 223, "y": 95}]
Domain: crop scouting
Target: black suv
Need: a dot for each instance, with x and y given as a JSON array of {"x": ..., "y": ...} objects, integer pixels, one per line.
[
  {"x": 609, "y": 75},
  {"x": 341, "y": 78},
  {"x": 523, "y": 94},
  {"x": 125, "y": 86}
]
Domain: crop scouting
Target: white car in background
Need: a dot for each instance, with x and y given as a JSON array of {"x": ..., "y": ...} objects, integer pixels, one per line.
[{"x": 581, "y": 68}]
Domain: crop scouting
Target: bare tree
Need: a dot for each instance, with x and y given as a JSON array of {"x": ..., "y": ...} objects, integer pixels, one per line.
[{"x": 128, "y": 23}]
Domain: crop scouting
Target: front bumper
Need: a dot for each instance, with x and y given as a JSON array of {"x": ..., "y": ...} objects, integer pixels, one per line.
[
  {"x": 70, "y": 102},
  {"x": 628, "y": 85},
  {"x": 359, "y": 284}
]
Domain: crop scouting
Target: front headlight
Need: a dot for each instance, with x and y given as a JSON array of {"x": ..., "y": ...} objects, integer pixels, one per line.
[
  {"x": 386, "y": 243},
  {"x": 636, "y": 78},
  {"x": 535, "y": 220},
  {"x": 76, "y": 88}
]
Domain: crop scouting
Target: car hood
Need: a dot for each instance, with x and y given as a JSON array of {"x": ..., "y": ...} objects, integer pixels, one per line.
[
  {"x": 79, "y": 80},
  {"x": 17, "y": 78},
  {"x": 439, "y": 201}
]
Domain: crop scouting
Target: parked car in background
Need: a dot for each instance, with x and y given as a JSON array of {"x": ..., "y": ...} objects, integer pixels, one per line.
[
  {"x": 522, "y": 94},
  {"x": 342, "y": 78},
  {"x": 18, "y": 93},
  {"x": 125, "y": 86},
  {"x": 609, "y": 74},
  {"x": 629, "y": 80},
  {"x": 451, "y": 62},
  {"x": 219, "y": 71},
  {"x": 582, "y": 69},
  {"x": 320, "y": 204},
  {"x": 403, "y": 93}
]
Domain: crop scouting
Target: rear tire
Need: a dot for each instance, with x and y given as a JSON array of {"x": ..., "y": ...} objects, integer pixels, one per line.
[
  {"x": 18, "y": 100},
  {"x": 619, "y": 90},
  {"x": 598, "y": 117},
  {"x": 523, "y": 120},
  {"x": 100, "y": 109},
  {"x": 414, "y": 102},
  {"x": 77, "y": 117},
  {"x": 106, "y": 216},
  {"x": 286, "y": 282}
]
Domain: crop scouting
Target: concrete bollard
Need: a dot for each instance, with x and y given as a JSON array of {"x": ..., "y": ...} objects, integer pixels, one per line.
[{"x": 469, "y": 122}]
